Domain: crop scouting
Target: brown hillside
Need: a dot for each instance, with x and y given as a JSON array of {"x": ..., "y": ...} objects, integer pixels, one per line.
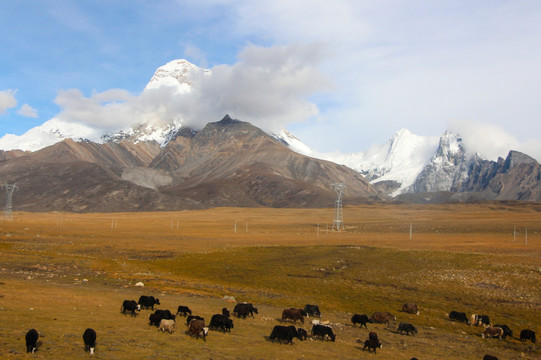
[{"x": 228, "y": 163}]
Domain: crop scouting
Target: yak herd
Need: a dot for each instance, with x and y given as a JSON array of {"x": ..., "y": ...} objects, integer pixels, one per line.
[{"x": 196, "y": 326}]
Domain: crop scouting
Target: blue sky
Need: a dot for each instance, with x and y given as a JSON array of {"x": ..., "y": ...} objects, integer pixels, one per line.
[{"x": 375, "y": 66}]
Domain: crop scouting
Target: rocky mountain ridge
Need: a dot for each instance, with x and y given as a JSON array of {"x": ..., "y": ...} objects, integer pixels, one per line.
[
  {"x": 227, "y": 163},
  {"x": 156, "y": 154},
  {"x": 412, "y": 168}
]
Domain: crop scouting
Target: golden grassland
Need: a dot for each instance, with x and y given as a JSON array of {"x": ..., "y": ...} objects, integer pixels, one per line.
[{"x": 63, "y": 272}]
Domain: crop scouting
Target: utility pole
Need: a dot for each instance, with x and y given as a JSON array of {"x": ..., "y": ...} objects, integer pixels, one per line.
[
  {"x": 9, "y": 199},
  {"x": 338, "y": 222}
]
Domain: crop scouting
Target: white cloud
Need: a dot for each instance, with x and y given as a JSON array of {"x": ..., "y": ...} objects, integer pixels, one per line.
[
  {"x": 302, "y": 20},
  {"x": 491, "y": 141},
  {"x": 111, "y": 110},
  {"x": 394, "y": 64},
  {"x": 28, "y": 111},
  {"x": 269, "y": 87},
  {"x": 7, "y": 100},
  {"x": 413, "y": 64}
]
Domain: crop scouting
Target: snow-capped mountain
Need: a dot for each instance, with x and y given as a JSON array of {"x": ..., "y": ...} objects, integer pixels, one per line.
[
  {"x": 414, "y": 168},
  {"x": 447, "y": 168},
  {"x": 49, "y": 133},
  {"x": 399, "y": 161},
  {"x": 227, "y": 163},
  {"x": 178, "y": 75},
  {"x": 162, "y": 133},
  {"x": 407, "y": 163}
]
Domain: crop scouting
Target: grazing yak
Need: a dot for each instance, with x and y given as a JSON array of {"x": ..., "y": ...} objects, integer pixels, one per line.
[
  {"x": 458, "y": 316},
  {"x": 382, "y": 318},
  {"x": 222, "y": 322},
  {"x": 167, "y": 325},
  {"x": 360, "y": 319},
  {"x": 191, "y": 317},
  {"x": 165, "y": 314},
  {"x": 506, "y": 330},
  {"x": 31, "y": 338},
  {"x": 89, "y": 338},
  {"x": 527, "y": 335},
  {"x": 312, "y": 310},
  {"x": 197, "y": 328},
  {"x": 372, "y": 344},
  {"x": 489, "y": 357},
  {"x": 293, "y": 314},
  {"x": 410, "y": 308},
  {"x": 491, "y": 332},
  {"x": 158, "y": 315},
  {"x": 244, "y": 309},
  {"x": 286, "y": 333},
  {"x": 478, "y": 320},
  {"x": 322, "y": 331},
  {"x": 302, "y": 333},
  {"x": 183, "y": 310},
  {"x": 154, "y": 319},
  {"x": 131, "y": 306},
  {"x": 148, "y": 302},
  {"x": 407, "y": 327}
]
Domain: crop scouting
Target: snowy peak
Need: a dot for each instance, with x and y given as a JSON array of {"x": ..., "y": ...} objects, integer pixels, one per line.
[
  {"x": 287, "y": 138},
  {"x": 450, "y": 149},
  {"x": 47, "y": 134},
  {"x": 162, "y": 133},
  {"x": 179, "y": 74},
  {"x": 403, "y": 150},
  {"x": 399, "y": 160},
  {"x": 447, "y": 168}
]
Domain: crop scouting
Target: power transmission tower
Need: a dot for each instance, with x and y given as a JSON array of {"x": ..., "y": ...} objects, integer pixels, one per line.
[
  {"x": 338, "y": 222},
  {"x": 9, "y": 199}
]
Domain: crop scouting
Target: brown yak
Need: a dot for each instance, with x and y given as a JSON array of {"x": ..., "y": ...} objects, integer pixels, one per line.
[
  {"x": 293, "y": 314},
  {"x": 491, "y": 332}
]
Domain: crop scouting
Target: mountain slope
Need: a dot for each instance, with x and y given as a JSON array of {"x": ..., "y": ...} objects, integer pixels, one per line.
[
  {"x": 6, "y": 155},
  {"x": 518, "y": 177},
  {"x": 248, "y": 163},
  {"x": 74, "y": 186},
  {"x": 161, "y": 153},
  {"x": 228, "y": 163}
]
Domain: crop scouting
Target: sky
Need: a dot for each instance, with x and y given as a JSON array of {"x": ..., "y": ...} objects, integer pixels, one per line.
[{"x": 341, "y": 75}]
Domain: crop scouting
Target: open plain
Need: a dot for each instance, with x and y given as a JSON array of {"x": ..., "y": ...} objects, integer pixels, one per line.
[{"x": 63, "y": 272}]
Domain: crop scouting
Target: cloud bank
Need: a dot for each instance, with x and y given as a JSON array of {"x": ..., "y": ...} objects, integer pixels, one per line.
[
  {"x": 491, "y": 141},
  {"x": 268, "y": 86}
]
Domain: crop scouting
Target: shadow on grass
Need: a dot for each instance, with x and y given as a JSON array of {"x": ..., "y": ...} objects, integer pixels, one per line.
[{"x": 268, "y": 339}]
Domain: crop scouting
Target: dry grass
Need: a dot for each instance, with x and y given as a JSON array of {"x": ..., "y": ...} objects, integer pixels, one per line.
[{"x": 461, "y": 257}]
